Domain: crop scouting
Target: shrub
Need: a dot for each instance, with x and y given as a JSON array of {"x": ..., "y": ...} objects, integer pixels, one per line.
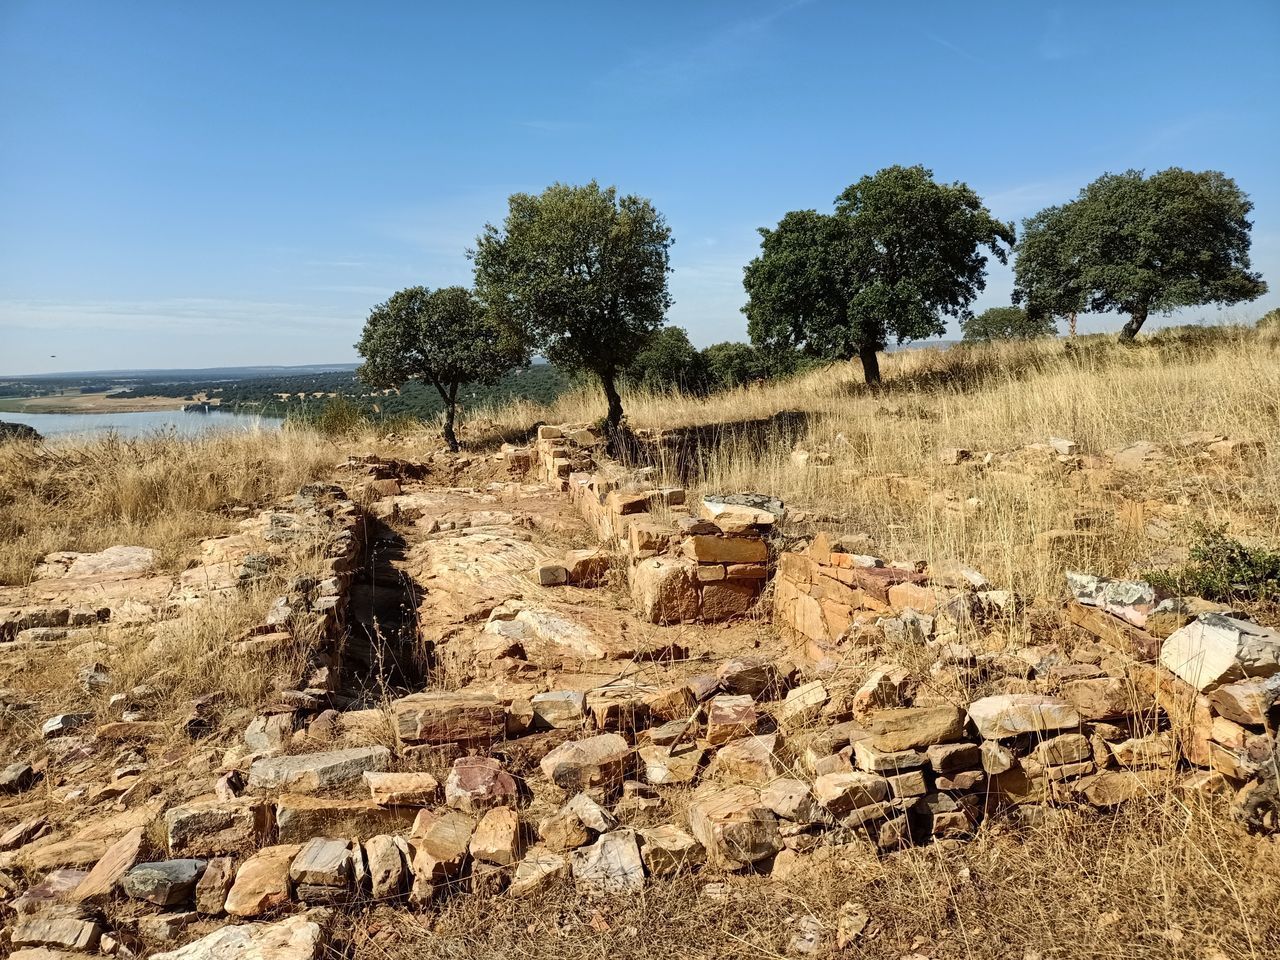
[{"x": 1223, "y": 569}]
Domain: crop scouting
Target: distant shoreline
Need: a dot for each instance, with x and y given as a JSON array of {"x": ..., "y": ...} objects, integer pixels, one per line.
[{"x": 89, "y": 403}]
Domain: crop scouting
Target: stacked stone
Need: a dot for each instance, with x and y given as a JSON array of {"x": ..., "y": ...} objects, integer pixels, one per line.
[
  {"x": 681, "y": 568},
  {"x": 827, "y": 593},
  {"x": 563, "y": 450}
]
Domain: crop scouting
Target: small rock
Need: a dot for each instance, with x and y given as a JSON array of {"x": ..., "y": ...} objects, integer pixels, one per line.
[
  {"x": 166, "y": 883},
  {"x": 611, "y": 865}
]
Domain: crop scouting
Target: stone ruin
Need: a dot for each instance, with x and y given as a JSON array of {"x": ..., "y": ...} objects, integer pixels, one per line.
[{"x": 894, "y": 712}]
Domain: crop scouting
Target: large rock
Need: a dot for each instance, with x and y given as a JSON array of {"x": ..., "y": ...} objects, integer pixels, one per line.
[
  {"x": 61, "y": 933},
  {"x": 753, "y": 760},
  {"x": 729, "y": 717},
  {"x": 479, "y": 783},
  {"x": 206, "y": 828},
  {"x": 299, "y": 818},
  {"x": 214, "y": 884},
  {"x": 611, "y": 865},
  {"x": 262, "y": 882},
  {"x": 1102, "y": 698},
  {"x": 842, "y": 793},
  {"x": 1131, "y": 600},
  {"x": 497, "y": 837},
  {"x": 667, "y": 850},
  {"x": 664, "y": 591},
  {"x": 402, "y": 789},
  {"x": 323, "y": 862},
  {"x": 905, "y": 728},
  {"x": 440, "y": 851},
  {"x": 537, "y": 871},
  {"x": 1014, "y": 714},
  {"x": 314, "y": 772},
  {"x": 444, "y": 717},
  {"x": 300, "y": 937},
  {"x": 1213, "y": 650},
  {"x": 386, "y": 867},
  {"x": 599, "y": 762},
  {"x": 734, "y": 826},
  {"x": 119, "y": 859},
  {"x": 1247, "y": 701},
  {"x": 166, "y": 883}
]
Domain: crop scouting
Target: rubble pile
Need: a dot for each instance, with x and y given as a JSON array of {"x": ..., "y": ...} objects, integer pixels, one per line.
[{"x": 561, "y": 742}]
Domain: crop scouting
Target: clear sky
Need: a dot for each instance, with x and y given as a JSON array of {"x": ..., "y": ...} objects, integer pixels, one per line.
[{"x": 199, "y": 184}]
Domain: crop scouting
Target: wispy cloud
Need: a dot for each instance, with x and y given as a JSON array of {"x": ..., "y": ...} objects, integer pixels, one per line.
[
  {"x": 960, "y": 51},
  {"x": 1055, "y": 45},
  {"x": 169, "y": 315},
  {"x": 675, "y": 68}
]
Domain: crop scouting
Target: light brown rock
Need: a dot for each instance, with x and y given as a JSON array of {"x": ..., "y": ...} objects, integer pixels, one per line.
[{"x": 262, "y": 882}]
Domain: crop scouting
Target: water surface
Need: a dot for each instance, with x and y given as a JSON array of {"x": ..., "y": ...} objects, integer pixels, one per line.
[{"x": 140, "y": 424}]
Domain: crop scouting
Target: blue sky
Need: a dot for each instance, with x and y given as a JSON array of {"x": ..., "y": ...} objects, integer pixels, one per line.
[{"x": 188, "y": 184}]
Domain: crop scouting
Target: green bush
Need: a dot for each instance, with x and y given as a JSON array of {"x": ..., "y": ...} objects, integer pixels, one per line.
[{"x": 1223, "y": 569}]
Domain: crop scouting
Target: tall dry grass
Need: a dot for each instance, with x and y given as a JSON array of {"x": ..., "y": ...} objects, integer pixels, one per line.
[
  {"x": 997, "y": 398},
  {"x": 161, "y": 491},
  {"x": 1154, "y": 880}
]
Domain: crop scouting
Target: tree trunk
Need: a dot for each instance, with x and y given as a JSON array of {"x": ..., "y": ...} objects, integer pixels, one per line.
[
  {"x": 614, "y": 418},
  {"x": 450, "y": 398},
  {"x": 1072, "y": 323},
  {"x": 870, "y": 364},
  {"x": 1136, "y": 319}
]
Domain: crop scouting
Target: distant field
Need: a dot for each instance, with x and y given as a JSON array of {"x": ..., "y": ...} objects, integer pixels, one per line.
[{"x": 86, "y": 403}]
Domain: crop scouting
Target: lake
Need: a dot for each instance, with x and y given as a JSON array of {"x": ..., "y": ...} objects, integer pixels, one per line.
[{"x": 140, "y": 424}]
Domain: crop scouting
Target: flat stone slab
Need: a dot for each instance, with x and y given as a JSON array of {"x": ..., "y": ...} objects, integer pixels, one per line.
[
  {"x": 312, "y": 772},
  {"x": 1213, "y": 650},
  {"x": 599, "y": 761},
  {"x": 611, "y": 865},
  {"x": 1013, "y": 714},
  {"x": 442, "y": 717},
  {"x": 300, "y": 937}
]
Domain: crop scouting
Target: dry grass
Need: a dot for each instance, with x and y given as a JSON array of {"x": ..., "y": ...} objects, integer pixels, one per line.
[
  {"x": 163, "y": 491},
  {"x": 1157, "y": 880},
  {"x": 998, "y": 399}
]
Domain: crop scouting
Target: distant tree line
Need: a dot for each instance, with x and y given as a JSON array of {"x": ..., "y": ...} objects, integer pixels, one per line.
[{"x": 578, "y": 275}]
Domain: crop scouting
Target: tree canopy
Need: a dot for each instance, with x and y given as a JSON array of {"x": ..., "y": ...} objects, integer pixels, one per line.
[
  {"x": 1137, "y": 245},
  {"x": 1007, "y": 323},
  {"x": 579, "y": 274},
  {"x": 668, "y": 360},
  {"x": 900, "y": 253},
  {"x": 440, "y": 337}
]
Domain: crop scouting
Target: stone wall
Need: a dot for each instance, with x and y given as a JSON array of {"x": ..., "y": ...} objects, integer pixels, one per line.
[
  {"x": 681, "y": 567},
  {"x": 1143, "y": 695}
]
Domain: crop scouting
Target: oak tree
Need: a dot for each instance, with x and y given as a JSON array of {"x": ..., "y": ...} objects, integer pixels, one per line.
[
  {"x": 899, "y": 255},
  {"x": 440, "y": 337},
  {"x": 579, "y": 273},
  {"x": 1139, "y": 245}
]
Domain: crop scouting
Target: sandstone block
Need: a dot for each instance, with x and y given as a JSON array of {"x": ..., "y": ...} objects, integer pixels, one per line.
[
  {"x": 667, "y": 851},
  {"x": 214, "y": 884},
  {"x": 1246, "y": 701},
  {"x": 612, "y": 865},
  {"x": 497, "y": 837},
  {"x": 748, "y": 760},
  {"x": 323, "y": 862},
  {"x": 1101, "y": 698},
  {"x": 1213, "y": 650},
  {"x": 208, "y": 827},
  {"x": 313, "y": 772},
  {"x": 444, "y": 717},
  {"x": 841, "y": 793},
  {"x": 386, "y": 867},
  {"x": 730, "y": 717},
  {"x": 663, "y": 590},
  {"x": 560, "y": 709},
  {"x": 299, "y": 818},
  {"x": 906, "y": 728},
  {"x": 537, "y": 871},
  {"x": 119, "y": 859},
  {"x": 402, "y": 789},
  {"x": 734, "y": 826},
  {"x": 1013, "y": 714},
  {"x": 262, "y": 882},
  {"x": 300, "y": 937},
  {"x": 868, "y": 757},
  {"x": 602, "y": 761},
  {"x": 479, "y": 783}
]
